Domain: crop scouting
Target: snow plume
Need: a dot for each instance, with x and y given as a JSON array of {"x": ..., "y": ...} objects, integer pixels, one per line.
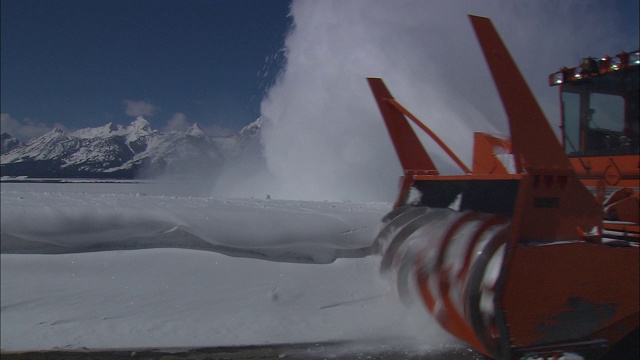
[
  {"x": 138, "y": 108},
  {"x": 324, "y": 137},
  {"x": 177, "y": 122}
]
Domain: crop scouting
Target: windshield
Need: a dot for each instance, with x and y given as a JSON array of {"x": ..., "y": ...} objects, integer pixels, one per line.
[{"x": 600, "y": 115}]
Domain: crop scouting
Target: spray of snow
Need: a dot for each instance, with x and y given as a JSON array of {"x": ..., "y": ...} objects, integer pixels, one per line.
[{"x": 324, "y": 138}]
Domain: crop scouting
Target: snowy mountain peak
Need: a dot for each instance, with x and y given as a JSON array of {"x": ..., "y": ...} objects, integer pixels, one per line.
[
  {"x": 138, "y": 129},
  {"x": 252, "y": 128},
  {"x": 196, "y": 131},
  {"x": 140, "y": 124}
]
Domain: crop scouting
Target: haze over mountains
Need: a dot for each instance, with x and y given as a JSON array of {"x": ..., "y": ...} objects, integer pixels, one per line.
[{"x": 136, "y": 151}]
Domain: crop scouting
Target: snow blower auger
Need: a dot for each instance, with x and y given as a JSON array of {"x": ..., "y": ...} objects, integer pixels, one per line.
[{"x": 511, "y": 256}]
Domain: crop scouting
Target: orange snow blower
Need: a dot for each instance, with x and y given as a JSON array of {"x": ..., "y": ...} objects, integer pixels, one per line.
[{"x": 517, "y": 257}]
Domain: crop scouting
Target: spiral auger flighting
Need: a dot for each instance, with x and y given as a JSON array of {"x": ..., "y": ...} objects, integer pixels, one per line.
[
  {"x": 510, "y": 257},
  {"x": 454, "y": 259}
]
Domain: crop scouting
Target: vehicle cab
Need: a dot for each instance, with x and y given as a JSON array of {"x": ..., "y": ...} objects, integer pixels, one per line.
[{"x": 601, "y": 118}]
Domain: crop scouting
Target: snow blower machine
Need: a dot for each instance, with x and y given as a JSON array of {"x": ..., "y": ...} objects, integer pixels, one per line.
[{"x": 533, "y": 252}]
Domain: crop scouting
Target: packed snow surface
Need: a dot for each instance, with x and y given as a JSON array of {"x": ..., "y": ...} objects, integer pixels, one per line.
[{"x": 121, "y": 266}]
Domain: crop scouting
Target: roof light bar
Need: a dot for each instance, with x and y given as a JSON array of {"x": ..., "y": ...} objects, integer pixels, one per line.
[
  {"x": 590, "y": 67},
  {"x": 634, "y": 58}
]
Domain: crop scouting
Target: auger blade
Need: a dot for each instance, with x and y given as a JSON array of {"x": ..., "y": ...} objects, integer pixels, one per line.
[{"x": 399, "y": 240}]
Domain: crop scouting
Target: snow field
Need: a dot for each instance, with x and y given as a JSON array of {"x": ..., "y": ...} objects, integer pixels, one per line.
[{"x": 299, "y": 272}]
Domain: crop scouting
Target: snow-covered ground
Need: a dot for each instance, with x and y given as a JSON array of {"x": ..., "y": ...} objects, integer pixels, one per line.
[{"x": 149, "y": 265}]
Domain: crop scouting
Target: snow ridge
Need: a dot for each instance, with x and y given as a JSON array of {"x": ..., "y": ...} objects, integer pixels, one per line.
[{"x": 307, "y": 231}]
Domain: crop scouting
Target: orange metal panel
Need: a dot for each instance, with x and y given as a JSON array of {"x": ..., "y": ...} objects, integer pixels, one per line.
[
  {"x": 552, "y": 196},
  {"x": 616, "y": 171},
  {"x": 626, "y": 209},
  {"x": 484, "y": 154},
  {"x": 623, "y": 227},
  {"x": 528, "y": 125},
  {"x": 435, "y": 137},
  {"x": 410, "y": 151},
  {"x": 551, "y": 208},
  {"x": 565, "y": 292}
]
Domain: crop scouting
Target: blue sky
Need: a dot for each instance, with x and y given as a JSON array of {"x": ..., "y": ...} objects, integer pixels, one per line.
[{"x": 82, "y": 63}]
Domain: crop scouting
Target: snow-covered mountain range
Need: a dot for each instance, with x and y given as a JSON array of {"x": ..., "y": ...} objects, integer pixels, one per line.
[{"x": 126, "y": 152}]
